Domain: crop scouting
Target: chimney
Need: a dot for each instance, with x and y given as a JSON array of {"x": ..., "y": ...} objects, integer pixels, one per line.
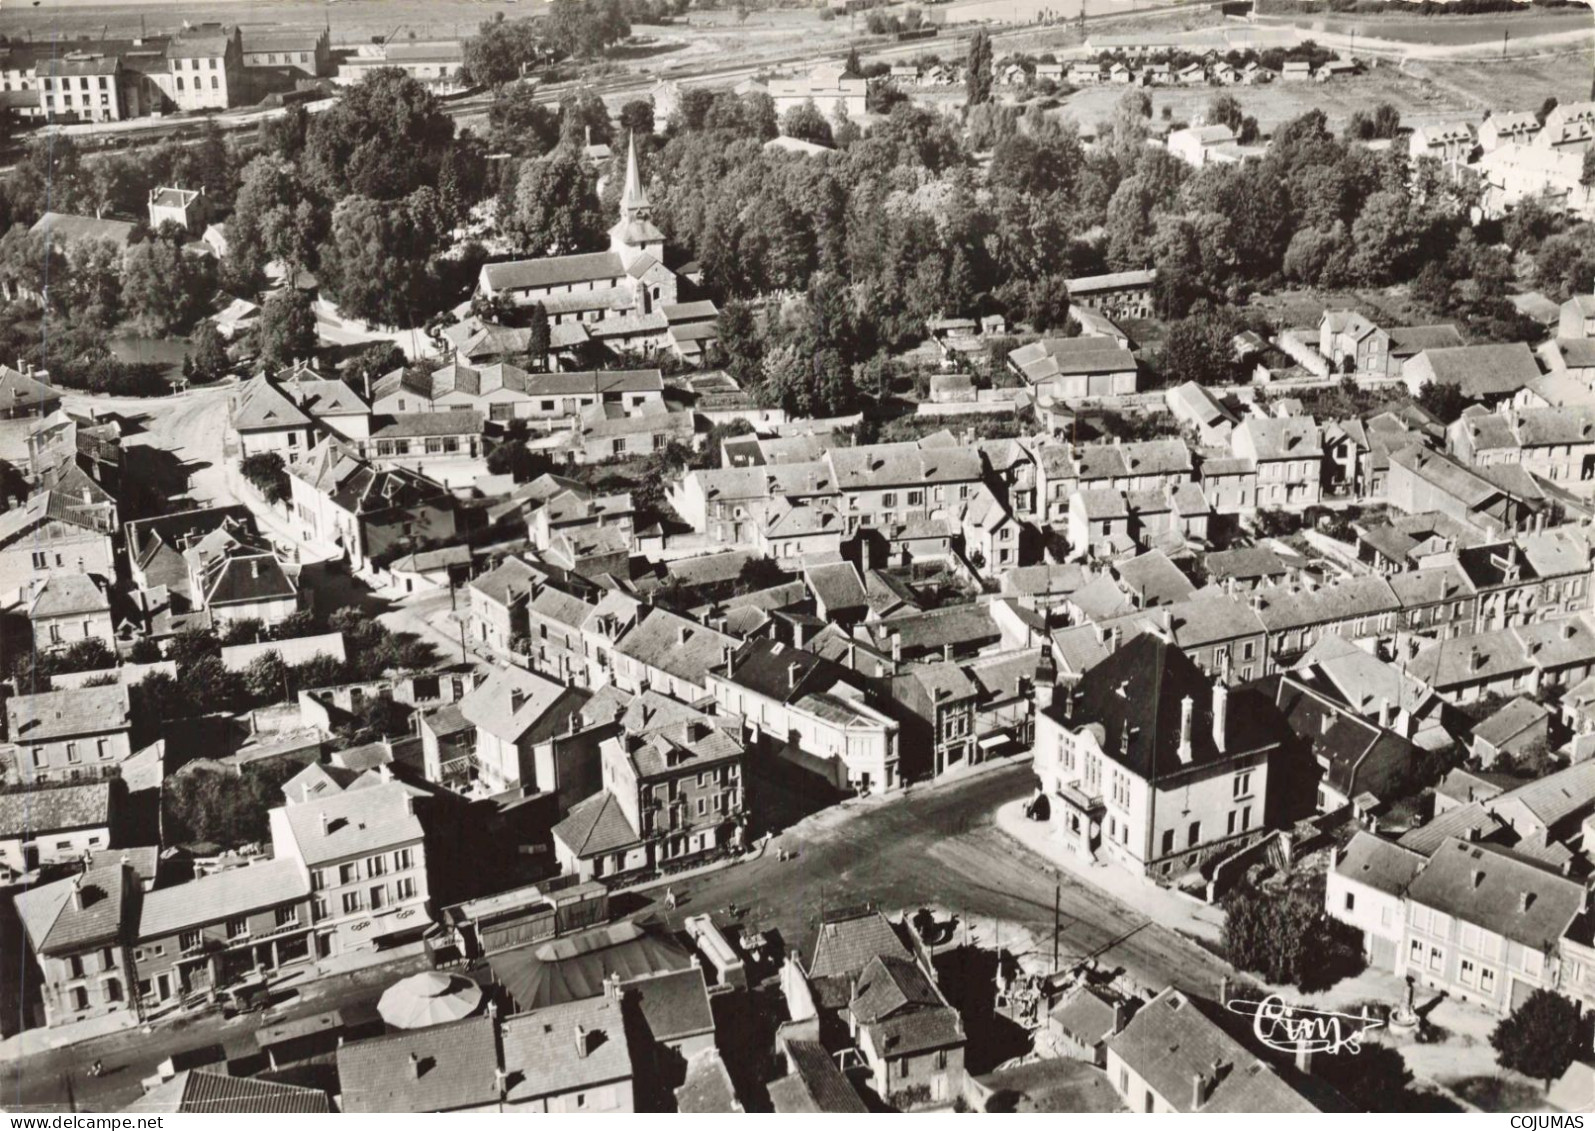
[
  {"x": 1198, "y": 1091},
  {"x": 415, "y": 1067},
  {"x": 77, "y": 892},
  {"x": 947, "y": 652},
  {"x": 254, "y": 567},
  {"x": 897, "y": 648},
  {"x": 1220, "y": 715},
  {"x": 1186, "y": 707},
  {"x": 1525, "y": 900},
  {"x": 326, "y": 825},
  {"x": 1121, "y": 1017},
  {"x": 1223, "y": 991},
  {"x": 581, "y": 1042},
  {"x": 1384, "y": 713},
  {"x": 1478, "y": 876},
  {"x": 681, "y": 635},
  {"x": 517, "y": 700},
  {"x": 793, "y": 670},
  {"x": 1118, "y": 638}
]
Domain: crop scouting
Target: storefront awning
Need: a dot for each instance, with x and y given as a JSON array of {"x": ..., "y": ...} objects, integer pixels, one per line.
[{"x": 371, "y": 930}]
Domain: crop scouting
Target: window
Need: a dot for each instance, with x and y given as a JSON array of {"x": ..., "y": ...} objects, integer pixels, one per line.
[
  {"x": 38, "y": 757},
  {"x": 1195, "y": 834},
  {"x": 915, "y": 498},
  {"x": 703, "y": 806},
  {"x": 1436, "y": 958},
  {"x": 376, "y": 866},
  {"x": 1168, "y": 841},
  {"x": 941, "y": 1058},
  {"x": 179, "y": 82},
  {"x": 402, "y": 860},
  {"x": 41, "y": 560},
  {"x": 74, "y": 966},
  {"x": 1487, "y": 981},
  {"x": 379, "y": 897},
  {"x": 1351, "y": 901},
  {"x": 353, "y": 901},
  {"x": 1243, "y": 784},
  {"x": 80, "y": 999},
  {"x": 103, "y": 749},
  {"x": 1468, "y": 972},
  {"x": 72, "y": 752},
  {"x": 1124, "y": 1080},
  {"x": 188, "y": 940},
  {"x": 404, "y": 888},
  {"x": 319, "y": 908},
  {"x": 286, "y": 917},
  {"x": 237, "y": 926},
  {"x": 1231, "y": 829},
  {"x": 347, "y": 874},
  {"x": 889, "y": 499}
]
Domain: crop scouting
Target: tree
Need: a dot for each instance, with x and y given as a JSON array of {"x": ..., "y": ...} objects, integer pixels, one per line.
[
  {"x": 584, "y": 120},
  {"x": 1444, "y": 402},
  {"x": 164, "y": 289},
  {"x": 1541, "y": 1038},
  {"x": 190, "y": 645},
  {"x": 91, "y": 288},
  {"x": 268, "y": 474},
  {"x": 1225, "y": 110},
  {"x": 741, "y": 342},
  {"x": 1277, "y": 935},
  {"x": 266, "y": 678},
  {"x": 520, "y": 123},
  {"x": 304, "y": 622},
  {"x": 287, "y": 329},
  {"x": 637, "y": 117},
  {"x": 224, "y": 808},
  {"x": 538, "y": 339},
  {"x": 584, "y": 27},
  {"x": 379, "y": 258},
  {"x": 978, "y": 77},
  {"x": 1200, "y": 348},
  {"x": 499, "y": 50},
  {"x": 806, "y": 123},
  {"x": 383, "y": 138},
  {"x": 1586, "y": 175},
  {"x": 556, "y": 207},
  {"x": 209, "y": 353},
  {"x": 275, "y": 219}
]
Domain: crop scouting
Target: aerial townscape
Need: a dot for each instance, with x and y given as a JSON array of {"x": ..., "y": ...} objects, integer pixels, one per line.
[{"x": 652, "y": 556}]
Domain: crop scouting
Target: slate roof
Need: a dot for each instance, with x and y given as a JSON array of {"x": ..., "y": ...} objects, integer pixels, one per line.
[
  {"x": 48, "y": 715},
  {"x": 579, "y": 965},
  {"x": 492, "y": 704},
  {"x": 455, "y": 1066},
  {"x": 1556, "y": 796},
  {"x": 846, "y": 945},
  {"x": 54, "y": 922},
  {"x": 410, "y": 425},
  {"x": 1135, "y": 696},
  {"x": 67, "y": 594},
  {"x": 837, "y": 587},
  {"x": 1472, "y": 819},
  {"x": 262, "y": 406},
  {"x": 673, "y": 1004},
  {"x": 1251, "y": 563},
  {"x": 677, "y": 646},
  {"x": 1479, "y": 884},
  {"x": 214, "y": 898},
  {"x": 902, "y": 1009},
  {"x": 71, "y": 229},
  {"x": 527, "y": 274},
  {"x": 708, "y": 1087},
  {"x": 209, "y": 1091},
  {"x": 30, "y": 813},
  {"x": 1169, "y": 1043},
  {"x": 1481, "y": 371},
  {"x": 815, "y": 1083},
  {"x": 17, "y": 390},
  {"x": 359, "y": 822},
  {"x": 540, "y": 1053},
  {"x": 596, "y": 826},
  {"x": 1510, "y": 721}
]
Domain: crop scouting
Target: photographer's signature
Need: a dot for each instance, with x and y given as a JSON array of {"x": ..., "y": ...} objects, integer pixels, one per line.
[{"x": 1292, "y": 1028}]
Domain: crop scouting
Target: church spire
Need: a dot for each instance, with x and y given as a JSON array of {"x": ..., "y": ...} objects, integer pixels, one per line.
[{"x": 633, "y": 201}]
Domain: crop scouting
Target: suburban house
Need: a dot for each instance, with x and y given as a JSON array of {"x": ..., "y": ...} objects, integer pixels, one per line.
[
  {"x": 344, "y": 501},
  {"x": 516, "y": 714},
  {"x": 1367, "y": 890},
  {"x": 53, "y": 533},
  {"x": 66, "y": 608},
  {"x": 1288, "y": 455}
]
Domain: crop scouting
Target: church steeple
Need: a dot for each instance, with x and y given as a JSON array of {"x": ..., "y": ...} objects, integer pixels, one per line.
[
  {"x": 634, "y": 200},
  {"x": 634, "y": 234}
]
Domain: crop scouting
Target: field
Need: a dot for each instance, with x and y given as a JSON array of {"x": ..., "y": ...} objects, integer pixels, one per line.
[
  {"x": 1443, "y": 31},
  {"x": 1424, "y": 93}
]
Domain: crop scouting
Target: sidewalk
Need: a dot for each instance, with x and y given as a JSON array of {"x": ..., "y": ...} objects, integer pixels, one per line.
[
  {"x": 31, "y": 1042},
  {"x": 1179, "y": 913}
]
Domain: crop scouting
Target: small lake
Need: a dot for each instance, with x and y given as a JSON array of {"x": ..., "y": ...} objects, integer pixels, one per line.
[{"x": 165, "y": 352}]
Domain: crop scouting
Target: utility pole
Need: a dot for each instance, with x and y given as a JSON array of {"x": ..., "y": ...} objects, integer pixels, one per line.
[{"x": 1057, "y": 898}]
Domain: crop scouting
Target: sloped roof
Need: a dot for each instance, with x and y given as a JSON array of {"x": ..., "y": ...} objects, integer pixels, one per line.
[
  {"x": 596, "y": 826},
  {"x": 1482, "y": 885},
  {"x": 31, "y": 813},
  {"x": 673, "y": 1004},
  {"x": 358, "y": 822},
  {"x": 844, "y": 946},
  {"x": 207, "y": 1091},
  {"x": 442, "y": 1068},
  {"x": 216, "y": 897},
  {"x": 48, "y": 715},
  {"x": 1169, "y": 1043},
  {"x": 541, "y": 1057}
]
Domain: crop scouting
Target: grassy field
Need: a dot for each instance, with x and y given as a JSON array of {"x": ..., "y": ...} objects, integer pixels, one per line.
[
  {"x": 352, "y": 21},
  {"x": 1424, "y": 93},
  {"x": 1444, "y": 30}
]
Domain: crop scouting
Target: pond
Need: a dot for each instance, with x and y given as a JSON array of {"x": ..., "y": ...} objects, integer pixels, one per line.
[{"x": 168, "y": 353}]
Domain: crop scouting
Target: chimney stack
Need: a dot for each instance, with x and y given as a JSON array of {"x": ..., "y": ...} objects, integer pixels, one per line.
[
  {"x": 681, "y": 635},
  {"x": 1220, "y": 714},
  {"x": 325, "y": 824},
  {"x": 415, "y": 1066},
  {"x": 581, "y": 1042},
  {"x": 793, "y": 671},
  {"x": 1198, "y": 1091},
  {"x": 1186, "y": 708},
  {"x": 1384, "y": 713}
]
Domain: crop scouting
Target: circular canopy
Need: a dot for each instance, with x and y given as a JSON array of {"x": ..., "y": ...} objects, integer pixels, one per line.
[{"x": 429, "y": 999}]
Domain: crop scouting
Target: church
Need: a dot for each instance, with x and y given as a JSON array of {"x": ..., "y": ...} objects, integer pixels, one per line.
[{"x": 618, "y": 296}]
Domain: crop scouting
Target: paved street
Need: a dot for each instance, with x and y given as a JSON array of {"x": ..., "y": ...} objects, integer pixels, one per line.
[{"x": 939, "y": 846}]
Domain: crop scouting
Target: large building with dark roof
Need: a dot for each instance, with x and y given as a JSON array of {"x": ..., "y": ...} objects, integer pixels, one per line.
[{"x": 1151, "y": 764}]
